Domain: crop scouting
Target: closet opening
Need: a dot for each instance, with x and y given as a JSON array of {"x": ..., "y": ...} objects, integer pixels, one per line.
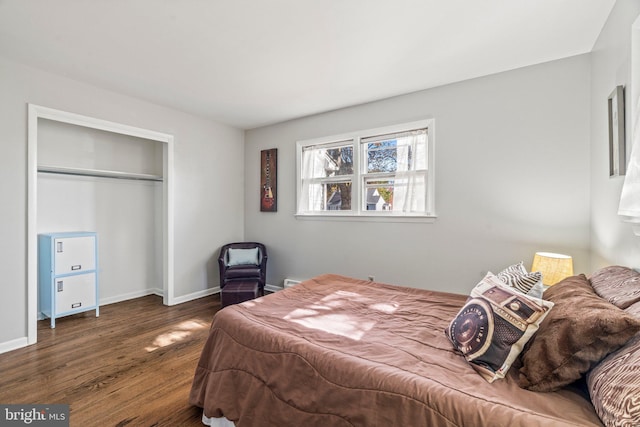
[{"x": 88, "y": 174}]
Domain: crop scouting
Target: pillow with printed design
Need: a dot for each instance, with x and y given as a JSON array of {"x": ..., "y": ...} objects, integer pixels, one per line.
[{"x": 494, "y": 325}]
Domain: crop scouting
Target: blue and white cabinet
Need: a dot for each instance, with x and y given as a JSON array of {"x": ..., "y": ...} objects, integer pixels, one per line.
[{"x": 67, "y": 274}]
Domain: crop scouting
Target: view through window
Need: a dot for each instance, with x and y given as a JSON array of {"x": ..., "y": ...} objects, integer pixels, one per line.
[{"x": 381, "y": 172}]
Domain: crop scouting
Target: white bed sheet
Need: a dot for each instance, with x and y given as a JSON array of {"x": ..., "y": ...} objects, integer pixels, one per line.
[{"x": 216, "y": 422}]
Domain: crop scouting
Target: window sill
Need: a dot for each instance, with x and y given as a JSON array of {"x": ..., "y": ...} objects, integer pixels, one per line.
[{"x": 428, "y": 219}]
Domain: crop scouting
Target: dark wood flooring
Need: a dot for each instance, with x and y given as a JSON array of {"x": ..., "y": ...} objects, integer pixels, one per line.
[{"x": 132, "y": 366}]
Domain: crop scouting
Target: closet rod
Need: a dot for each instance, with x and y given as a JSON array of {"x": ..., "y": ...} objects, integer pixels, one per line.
[{"x": 97, "y": 173}]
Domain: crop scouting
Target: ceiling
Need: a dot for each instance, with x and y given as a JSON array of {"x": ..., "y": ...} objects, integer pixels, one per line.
[{"x": 249, "y": 63}]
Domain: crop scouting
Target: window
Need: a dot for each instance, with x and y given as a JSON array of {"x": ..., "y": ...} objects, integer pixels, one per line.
[{"x": 378, "y": 172}]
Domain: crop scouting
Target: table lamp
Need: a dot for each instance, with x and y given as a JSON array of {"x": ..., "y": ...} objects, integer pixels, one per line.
[{"x": 554, "y": 267}]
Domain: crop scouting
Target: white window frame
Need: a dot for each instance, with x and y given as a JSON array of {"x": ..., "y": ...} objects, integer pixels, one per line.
[{"x": 358, "y": 210}]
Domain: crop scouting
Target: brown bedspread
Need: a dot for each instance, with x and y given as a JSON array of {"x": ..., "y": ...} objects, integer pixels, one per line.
[{"x": 336, "y": 351}]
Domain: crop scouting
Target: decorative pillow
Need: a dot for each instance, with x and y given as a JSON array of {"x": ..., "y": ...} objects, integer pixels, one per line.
[
  {"x": 243, "y": 257},
  {"x": 634, "y": 309},
  {"x": 614, "y": 386},
  {"x": 617, "y": 284},
  {"x": 517, "y": 277},
  {"x": 580, "y": 331},
  {"x": 513, "y": 270},
  {"x": 493, "y": 326}
]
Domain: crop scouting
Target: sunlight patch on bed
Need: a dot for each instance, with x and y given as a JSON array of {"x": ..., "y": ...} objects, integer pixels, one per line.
[
  {"x": 251, "y": 302},
  {"x": 181, "y": 331},
  {"x": 320, "y": 315},
  {"x": 385, "y": 307},
  {"x": 336, "y": 324}
]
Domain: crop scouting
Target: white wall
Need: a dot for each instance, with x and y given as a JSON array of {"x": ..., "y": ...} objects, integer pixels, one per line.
[
  {"x": 208, "y": 184},
  {"x": 612, "y": 241},
  {"x": 512, "y": 178}
]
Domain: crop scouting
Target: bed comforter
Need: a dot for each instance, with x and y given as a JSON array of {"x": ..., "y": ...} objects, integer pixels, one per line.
[{"x": 336, "y": 351}]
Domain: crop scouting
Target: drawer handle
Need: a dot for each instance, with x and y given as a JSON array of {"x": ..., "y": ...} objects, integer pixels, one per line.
[
  {"x": 60, "y": 285},
  {"x": 76, "y": 267},
  {"x": 76, "y": 305}
]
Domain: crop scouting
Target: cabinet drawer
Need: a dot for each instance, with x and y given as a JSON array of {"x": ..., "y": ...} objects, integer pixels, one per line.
[
  {"x": 74, "y": 254},
  {"x": 74, "y": 292}
]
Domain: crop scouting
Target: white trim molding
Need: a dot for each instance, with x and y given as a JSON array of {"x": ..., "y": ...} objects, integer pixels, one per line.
[
  {"x": 13, "y": 344},
  {"x": 197, "y": 295}
]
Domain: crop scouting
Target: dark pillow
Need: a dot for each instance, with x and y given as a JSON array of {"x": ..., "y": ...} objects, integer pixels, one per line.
[
  {"x": 617, "y": 284},
  {"x": 580, "y": 331},
  {"x": 494, "y": 325}
]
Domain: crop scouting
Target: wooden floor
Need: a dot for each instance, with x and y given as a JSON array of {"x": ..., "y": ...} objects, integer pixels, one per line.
[{"x": 132, "y": 366}]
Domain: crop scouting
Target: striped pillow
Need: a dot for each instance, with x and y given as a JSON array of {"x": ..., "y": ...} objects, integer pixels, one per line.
[
  {"x": 634, "y": 310},
  {"x": 614, "y": 386},
  {"x": 517, "y": 277},
  {"x": 617, "y": 284},
  {"x": 514, "y": 270}
]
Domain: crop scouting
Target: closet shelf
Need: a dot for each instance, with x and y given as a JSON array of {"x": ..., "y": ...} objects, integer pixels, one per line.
[{"x": 98, "y": 173}]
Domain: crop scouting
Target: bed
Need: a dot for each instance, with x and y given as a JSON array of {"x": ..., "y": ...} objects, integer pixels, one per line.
[{"x": 337, "y": 351}]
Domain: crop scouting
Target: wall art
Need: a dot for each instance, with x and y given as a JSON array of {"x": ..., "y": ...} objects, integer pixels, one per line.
[
  {"x": 617, "y": 147},
  {"x": 269, "y": 180}
]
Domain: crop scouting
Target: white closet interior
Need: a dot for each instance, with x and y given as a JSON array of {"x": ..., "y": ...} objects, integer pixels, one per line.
[
  {"x": 92, "y": 180},
  {"x": 92, "y": 175}
]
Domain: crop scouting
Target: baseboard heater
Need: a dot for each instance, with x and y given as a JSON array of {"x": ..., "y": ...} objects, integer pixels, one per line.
[{"x": 290, "y": 282}]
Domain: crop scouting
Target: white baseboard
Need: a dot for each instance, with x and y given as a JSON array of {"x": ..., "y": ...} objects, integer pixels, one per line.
[
  {"x": 196, "y": 295},
  {"x": 177, "y": 300},
  {"x": 13, "y": 344},
  {"x": 130, "y": 295},
  {"x": 159, "y": 292}
]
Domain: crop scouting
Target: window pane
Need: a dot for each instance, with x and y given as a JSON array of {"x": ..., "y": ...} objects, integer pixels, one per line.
[
  {"x": 398, "y": 194},
  {"x": 404, "y": 151},
  {"x": 382, "y": 156},
  {"x": 338, "y": 196},
  {"x": 321, "y": 162},
  {"x": 410, "y": 193},
  {"x": 378, "y": 195},
  {"x": 332, "y": 196}
]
